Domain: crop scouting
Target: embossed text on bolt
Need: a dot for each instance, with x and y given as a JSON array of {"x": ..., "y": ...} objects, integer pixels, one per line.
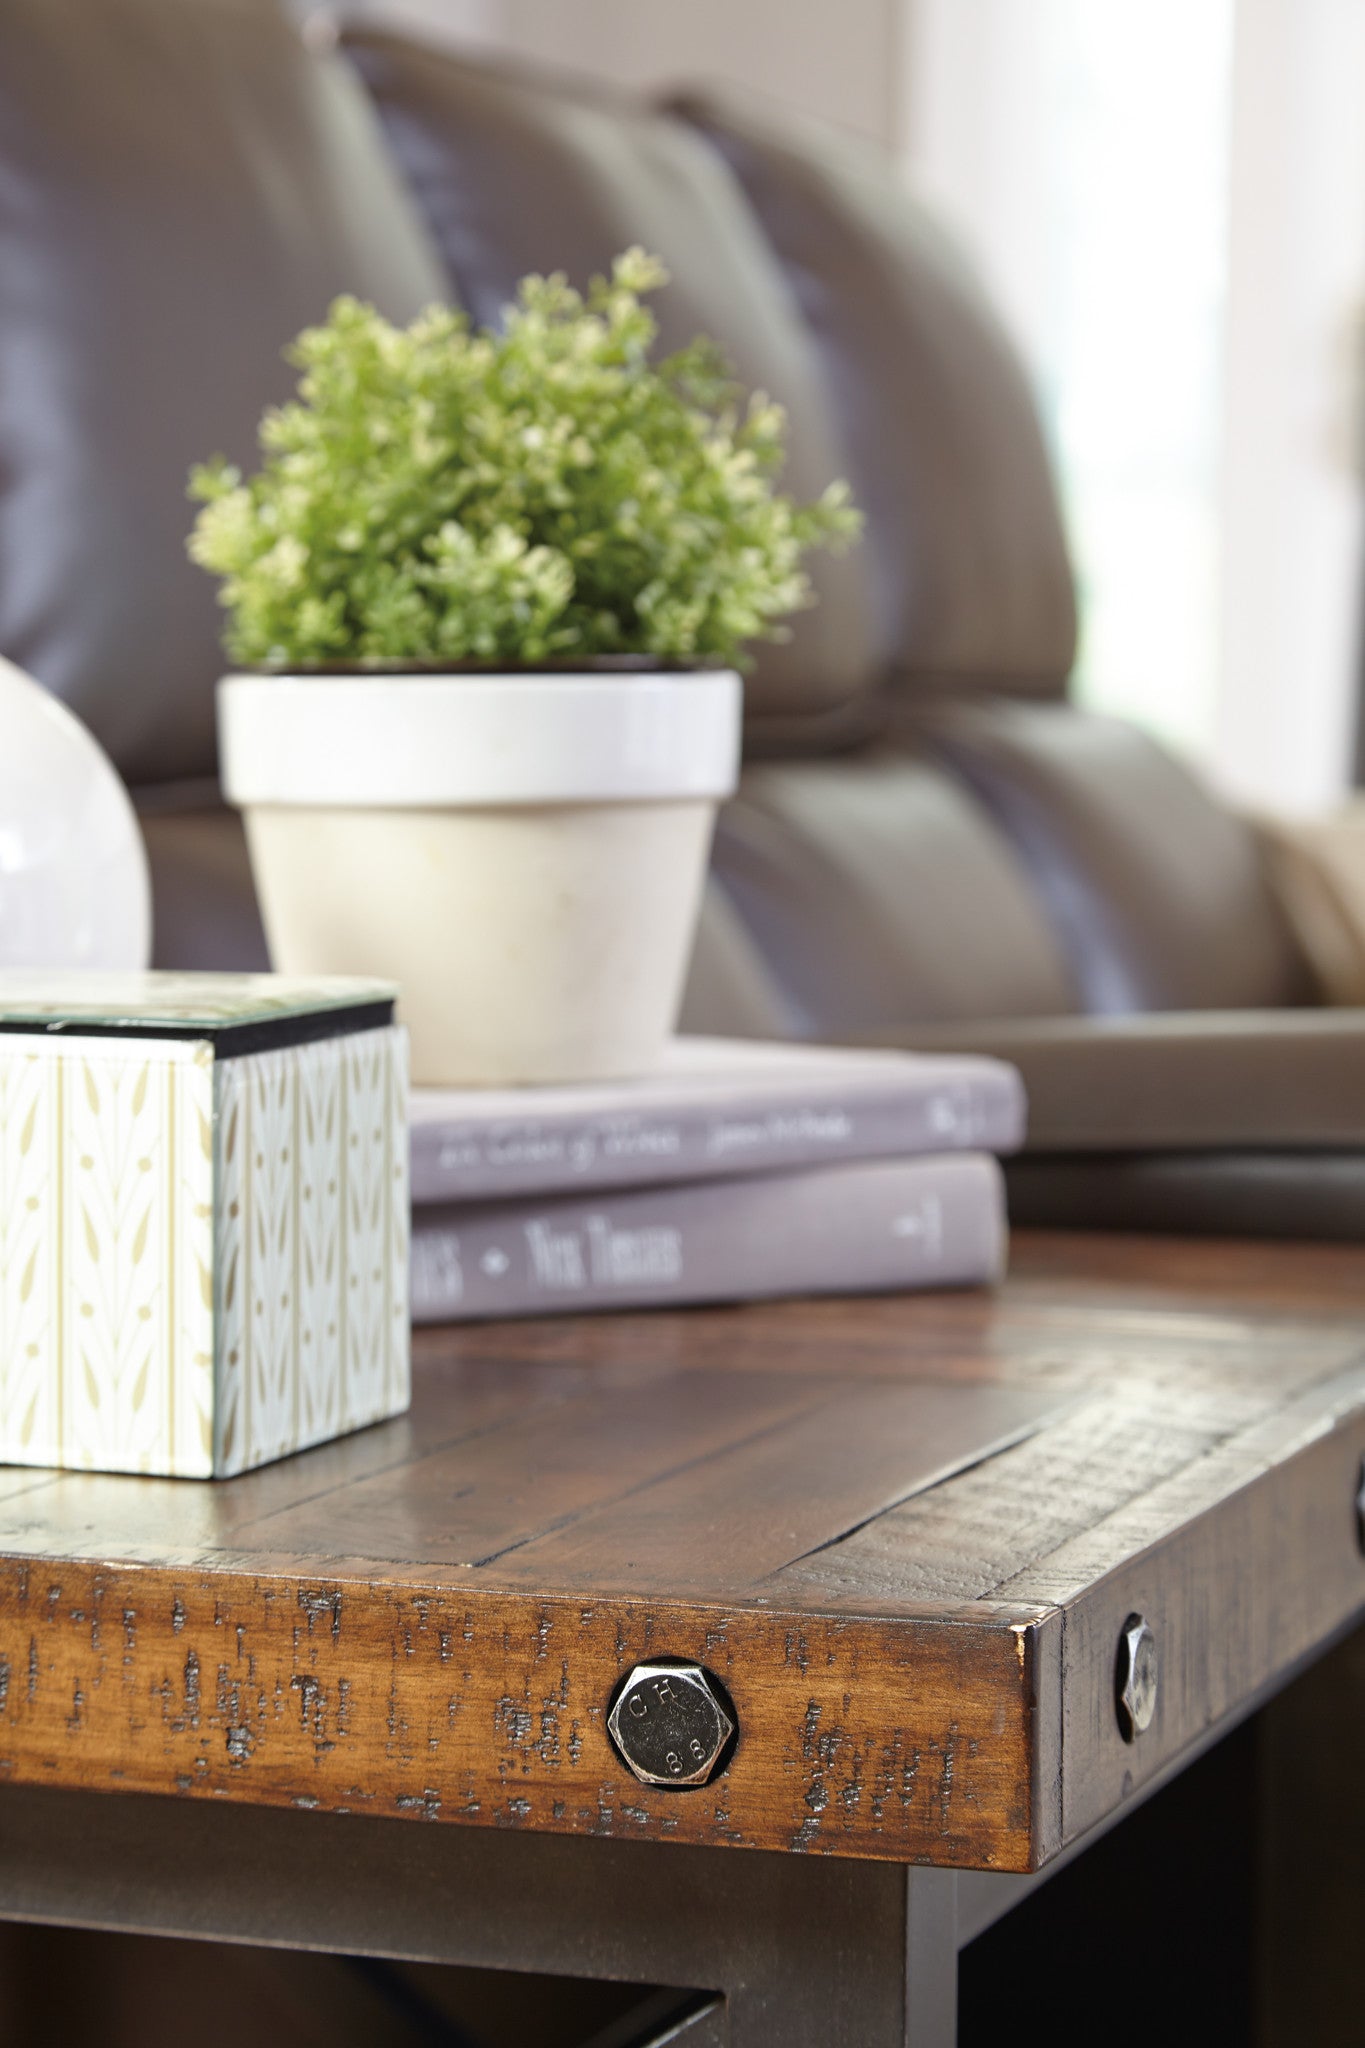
[{"x": 670, "y": 1724}]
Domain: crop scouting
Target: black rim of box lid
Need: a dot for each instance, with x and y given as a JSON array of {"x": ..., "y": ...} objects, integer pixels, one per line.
[{"x": 229, "y": 1041}]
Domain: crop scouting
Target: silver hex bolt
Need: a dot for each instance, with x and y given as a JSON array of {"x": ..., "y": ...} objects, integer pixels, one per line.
[
  {"x": 1136, "y": 1678},
  {"x": 670, "y": 1725}
]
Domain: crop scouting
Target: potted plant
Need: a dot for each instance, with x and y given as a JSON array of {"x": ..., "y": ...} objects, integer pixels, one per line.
[{"x": 487, "y": 593}]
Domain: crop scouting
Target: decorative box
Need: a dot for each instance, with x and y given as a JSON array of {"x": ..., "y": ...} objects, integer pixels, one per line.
[{"x": 203, "y": 1218}]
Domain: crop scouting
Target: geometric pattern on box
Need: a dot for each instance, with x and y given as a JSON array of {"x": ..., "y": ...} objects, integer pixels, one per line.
[
  {"x": 203, "y": 1262},
  {"x": 311, "y": 1264}
]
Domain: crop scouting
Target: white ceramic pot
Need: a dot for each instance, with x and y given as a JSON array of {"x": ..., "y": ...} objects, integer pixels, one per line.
[
  {"x": 523, "y": 854},
  {"x": 73, "y": 869}
]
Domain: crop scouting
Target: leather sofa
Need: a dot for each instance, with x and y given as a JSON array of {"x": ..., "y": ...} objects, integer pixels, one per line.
[{"x": 931, "y": 843}]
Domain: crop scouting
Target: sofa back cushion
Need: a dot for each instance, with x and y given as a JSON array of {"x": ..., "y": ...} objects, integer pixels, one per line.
[
  {"x": 517, "y": 173},
  {"x": 964, "y": 530},
  {"x": 1157, "y": 894},
  {"x": 182, "y": 187},
  {"x": 877, "y": 893}
]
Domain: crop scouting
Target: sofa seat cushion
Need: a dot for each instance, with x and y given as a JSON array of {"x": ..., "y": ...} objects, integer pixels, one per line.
[
  {"x": 965, "y": 535},
  {"x": 182, "y": 187},
  {"x": 516, "y": 173},
  {"x": 1158, "y": 895},
  {"x": 876, "y": 892},
  {"x": 1184, "y": 1081}
]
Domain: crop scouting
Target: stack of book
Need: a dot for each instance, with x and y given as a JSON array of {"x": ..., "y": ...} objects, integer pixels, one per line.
[{"x": 736, "y": 1170}]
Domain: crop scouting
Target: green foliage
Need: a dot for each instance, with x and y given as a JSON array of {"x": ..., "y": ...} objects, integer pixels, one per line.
[{"x": 436, "y": 494}]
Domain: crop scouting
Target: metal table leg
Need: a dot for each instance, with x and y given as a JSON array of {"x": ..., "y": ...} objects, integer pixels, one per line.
[{"x": 807, "y": 1952}]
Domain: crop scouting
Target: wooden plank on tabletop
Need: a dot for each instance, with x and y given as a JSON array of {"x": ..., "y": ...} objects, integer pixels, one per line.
[
  {"x": 976, "y": 1537},
  {"x": 479, "y": 1498},
  {"x": 1102, "y": 1268},
  {"x": 1243, "y": 1563},
  {"x": 93, "y": 1514},
  {"x": 801, "y": 1488},
  {"x": 905, "y": 1739},
  {"x": 429, "y": 1618}
]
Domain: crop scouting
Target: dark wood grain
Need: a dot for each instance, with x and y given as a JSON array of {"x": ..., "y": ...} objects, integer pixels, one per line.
[
  {"x": 492, "y": 1708},
  {"x": 903, "y": 1532},
  {"x": 795, "y": 1490}
]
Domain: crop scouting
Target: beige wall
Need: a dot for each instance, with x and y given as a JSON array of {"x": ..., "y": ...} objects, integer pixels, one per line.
[{"x": 1293, "y": 511}]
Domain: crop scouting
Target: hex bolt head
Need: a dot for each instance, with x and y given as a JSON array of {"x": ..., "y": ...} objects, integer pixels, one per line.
[
  {"x": 670, "y": 1724},
  {"x": 1136, "y": 1678}
]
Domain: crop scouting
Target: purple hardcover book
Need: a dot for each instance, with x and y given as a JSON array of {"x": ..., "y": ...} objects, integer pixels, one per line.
[
  {"x": 852, "y": 1228},
  {"x": 713, "y": 1108}
]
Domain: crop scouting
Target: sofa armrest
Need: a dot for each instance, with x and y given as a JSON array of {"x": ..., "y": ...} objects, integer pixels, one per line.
[{"x": 1317, "y": 869}]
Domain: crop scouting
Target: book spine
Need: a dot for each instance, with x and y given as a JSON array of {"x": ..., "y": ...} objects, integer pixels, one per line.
[
  {"x": 702, "y": 1141},
  {"x": 851, "y": 1229}
]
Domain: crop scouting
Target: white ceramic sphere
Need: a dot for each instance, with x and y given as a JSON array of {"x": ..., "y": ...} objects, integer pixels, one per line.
[{"x": 74, "y": 890}]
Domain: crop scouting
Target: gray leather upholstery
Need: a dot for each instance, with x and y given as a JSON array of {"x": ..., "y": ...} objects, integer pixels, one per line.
[
  {"x": 1218, "y": 1080},
  {"x": 517, "y": 174},
  {"x": 182, "y": 187},
  {"x": 872, "y": 886},
  {"x": 964, "y": 528},
  {"x": 1156, "y": 893},
  {"x": 204, "y": 912},
  {"x": 728, "y": 988}
]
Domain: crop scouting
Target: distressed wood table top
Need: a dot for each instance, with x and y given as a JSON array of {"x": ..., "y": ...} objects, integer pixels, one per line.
[{"x": 905, "y": 1533}]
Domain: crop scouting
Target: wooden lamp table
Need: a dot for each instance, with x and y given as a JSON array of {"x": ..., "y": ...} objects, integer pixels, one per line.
[{"x": 359, "y": 1700}]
